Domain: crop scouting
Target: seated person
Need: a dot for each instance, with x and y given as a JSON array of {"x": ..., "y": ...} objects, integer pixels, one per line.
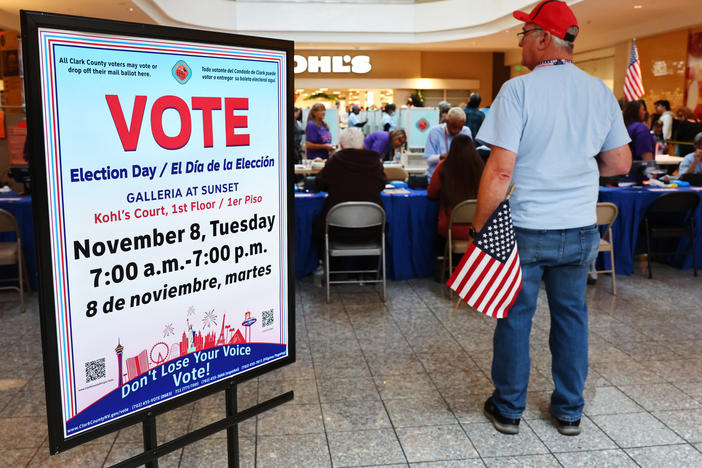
[
  {"x": 456, "y": 179},
  {"x": 385, "y": 143},
  {"x": 352, "y": 174},
  {"x": 439, "y": 137},
  {"x": 692, "y": 163},
  {"x": 642, "y": 145}
]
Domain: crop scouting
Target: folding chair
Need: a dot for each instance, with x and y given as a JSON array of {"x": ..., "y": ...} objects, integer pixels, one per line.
[
  {"x": 669, "y": 216},
  {"x": 11, "y": 252},
  {"x": 461, "y": 214},
  {"x": 606, "y": 215},
  {"x": 354, "y": 215}
]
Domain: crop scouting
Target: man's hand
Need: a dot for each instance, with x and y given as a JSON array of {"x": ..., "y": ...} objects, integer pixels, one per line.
[
  {"x": 442, "y": 156},
  {"x": 494, "y": 183},
  {"x": 695, "y": 162}
]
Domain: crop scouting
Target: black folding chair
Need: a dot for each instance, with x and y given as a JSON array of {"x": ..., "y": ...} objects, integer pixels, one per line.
[{"x": 671, "y": 216}]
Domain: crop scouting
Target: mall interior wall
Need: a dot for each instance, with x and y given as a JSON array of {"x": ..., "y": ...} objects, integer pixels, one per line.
[
  {"x": 427, "y": 69},
  {"x": 663, "y": 64}
]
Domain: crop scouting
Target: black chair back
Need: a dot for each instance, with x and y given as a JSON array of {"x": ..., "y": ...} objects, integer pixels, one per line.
[
  {"x": 675, "y": 202},
  {"x": 671, "y": 216}
]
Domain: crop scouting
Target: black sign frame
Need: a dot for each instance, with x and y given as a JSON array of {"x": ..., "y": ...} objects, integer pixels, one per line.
[{"x": 31, "y": 22}]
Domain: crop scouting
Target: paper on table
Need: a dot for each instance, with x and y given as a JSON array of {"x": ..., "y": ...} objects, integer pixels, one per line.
[{"x": 396, "y": 191}]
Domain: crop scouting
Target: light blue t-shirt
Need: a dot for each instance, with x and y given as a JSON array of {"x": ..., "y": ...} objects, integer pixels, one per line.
[
  {"x": 387, "y": 119},
  {"x": 438, "y": 143},
  {"x": 686, "y": 163},
  {"x": 556, "y": 119},
  {"x": 353, "y": 119}
]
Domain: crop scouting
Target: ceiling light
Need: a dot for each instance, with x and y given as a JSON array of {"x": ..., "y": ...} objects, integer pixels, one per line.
[{"x": 637, "y": 7}]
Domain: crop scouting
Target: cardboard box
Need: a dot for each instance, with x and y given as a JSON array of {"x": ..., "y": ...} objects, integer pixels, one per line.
[
  {"x": 12, "y": 96},
  {"x": 9, "y": 63},
  {"x": 8, "y": 40}
]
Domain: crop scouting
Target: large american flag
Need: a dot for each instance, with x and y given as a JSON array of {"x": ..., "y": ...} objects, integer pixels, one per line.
[
  {"x": 489, "y": 276},
  {"x": 633, "y": 86}
]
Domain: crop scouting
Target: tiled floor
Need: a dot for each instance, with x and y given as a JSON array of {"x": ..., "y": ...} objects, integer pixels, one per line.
[{"x": 403, "y": 383}]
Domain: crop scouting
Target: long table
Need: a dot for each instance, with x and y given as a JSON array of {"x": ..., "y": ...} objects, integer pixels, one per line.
[
  {"x": 411, "y": 230},
  {"x": 632, "y": 203},
  {"x": 411, "y": 233}
]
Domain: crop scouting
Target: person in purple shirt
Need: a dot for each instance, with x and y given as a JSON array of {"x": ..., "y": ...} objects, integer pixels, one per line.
[
  {"x": 643, "y": 144},
  {"x": 317, "y": 135},
  {"x": 385, "y": 143}
]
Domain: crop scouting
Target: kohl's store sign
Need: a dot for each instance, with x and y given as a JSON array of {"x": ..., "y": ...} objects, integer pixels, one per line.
[{"x": 332, "y": 64}]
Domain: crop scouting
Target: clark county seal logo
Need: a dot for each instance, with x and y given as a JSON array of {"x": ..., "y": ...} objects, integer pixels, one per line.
[{"x": 181, "y": 72}]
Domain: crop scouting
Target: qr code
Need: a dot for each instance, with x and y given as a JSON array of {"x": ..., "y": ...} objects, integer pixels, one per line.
[
  {"x": 267, "y": 318},
  {"x": 95, "y": 370}
]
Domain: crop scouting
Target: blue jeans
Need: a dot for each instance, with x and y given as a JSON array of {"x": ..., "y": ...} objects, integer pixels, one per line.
[{"x": 562, "y": 259}]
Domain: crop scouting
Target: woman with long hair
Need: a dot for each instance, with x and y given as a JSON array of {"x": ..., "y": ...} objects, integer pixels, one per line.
[
  {"x": 317, "y": 135},
  {"x": 385, "y": 143},
  {"x": 456, "y": 179},
  {"x": 642, "y": 144}
]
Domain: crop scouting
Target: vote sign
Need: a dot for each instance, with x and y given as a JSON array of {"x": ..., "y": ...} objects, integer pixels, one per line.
[{"x": 162, "y": 208}]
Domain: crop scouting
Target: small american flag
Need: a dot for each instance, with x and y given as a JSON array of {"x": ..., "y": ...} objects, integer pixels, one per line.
[
  {"x": 633, "y": 85},
  {"x": 489, "y": 276}
]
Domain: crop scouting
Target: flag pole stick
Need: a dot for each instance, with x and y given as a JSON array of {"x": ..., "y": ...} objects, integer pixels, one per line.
[
  {"x": 509, "y": 192},
  {"x": 455, "y": 308}
]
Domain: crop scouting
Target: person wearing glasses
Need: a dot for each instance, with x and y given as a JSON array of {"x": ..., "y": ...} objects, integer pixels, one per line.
[
  {"x": 552, "y": 133},
  {"x": 692, "y": 162},
  {"x": 439, "y": 138}
]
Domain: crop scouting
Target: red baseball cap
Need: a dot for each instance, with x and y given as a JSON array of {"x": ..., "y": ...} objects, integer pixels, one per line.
[{"x": 553, "y": 16}]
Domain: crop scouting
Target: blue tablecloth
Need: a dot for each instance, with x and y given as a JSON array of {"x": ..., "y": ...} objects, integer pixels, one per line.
[
  {"x": 411, "y": 233},
  {"x": 632, "y": 203},
  {"x": 21, "y": 209}
]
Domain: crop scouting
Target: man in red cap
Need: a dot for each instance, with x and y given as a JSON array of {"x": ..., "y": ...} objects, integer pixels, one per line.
[{"x": 553, "y": 132}]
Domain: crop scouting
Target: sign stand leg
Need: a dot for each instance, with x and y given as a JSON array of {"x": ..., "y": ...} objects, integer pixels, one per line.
[
  {"x": 150, "y": 442},
  {"x": 233, "y": 430}
]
